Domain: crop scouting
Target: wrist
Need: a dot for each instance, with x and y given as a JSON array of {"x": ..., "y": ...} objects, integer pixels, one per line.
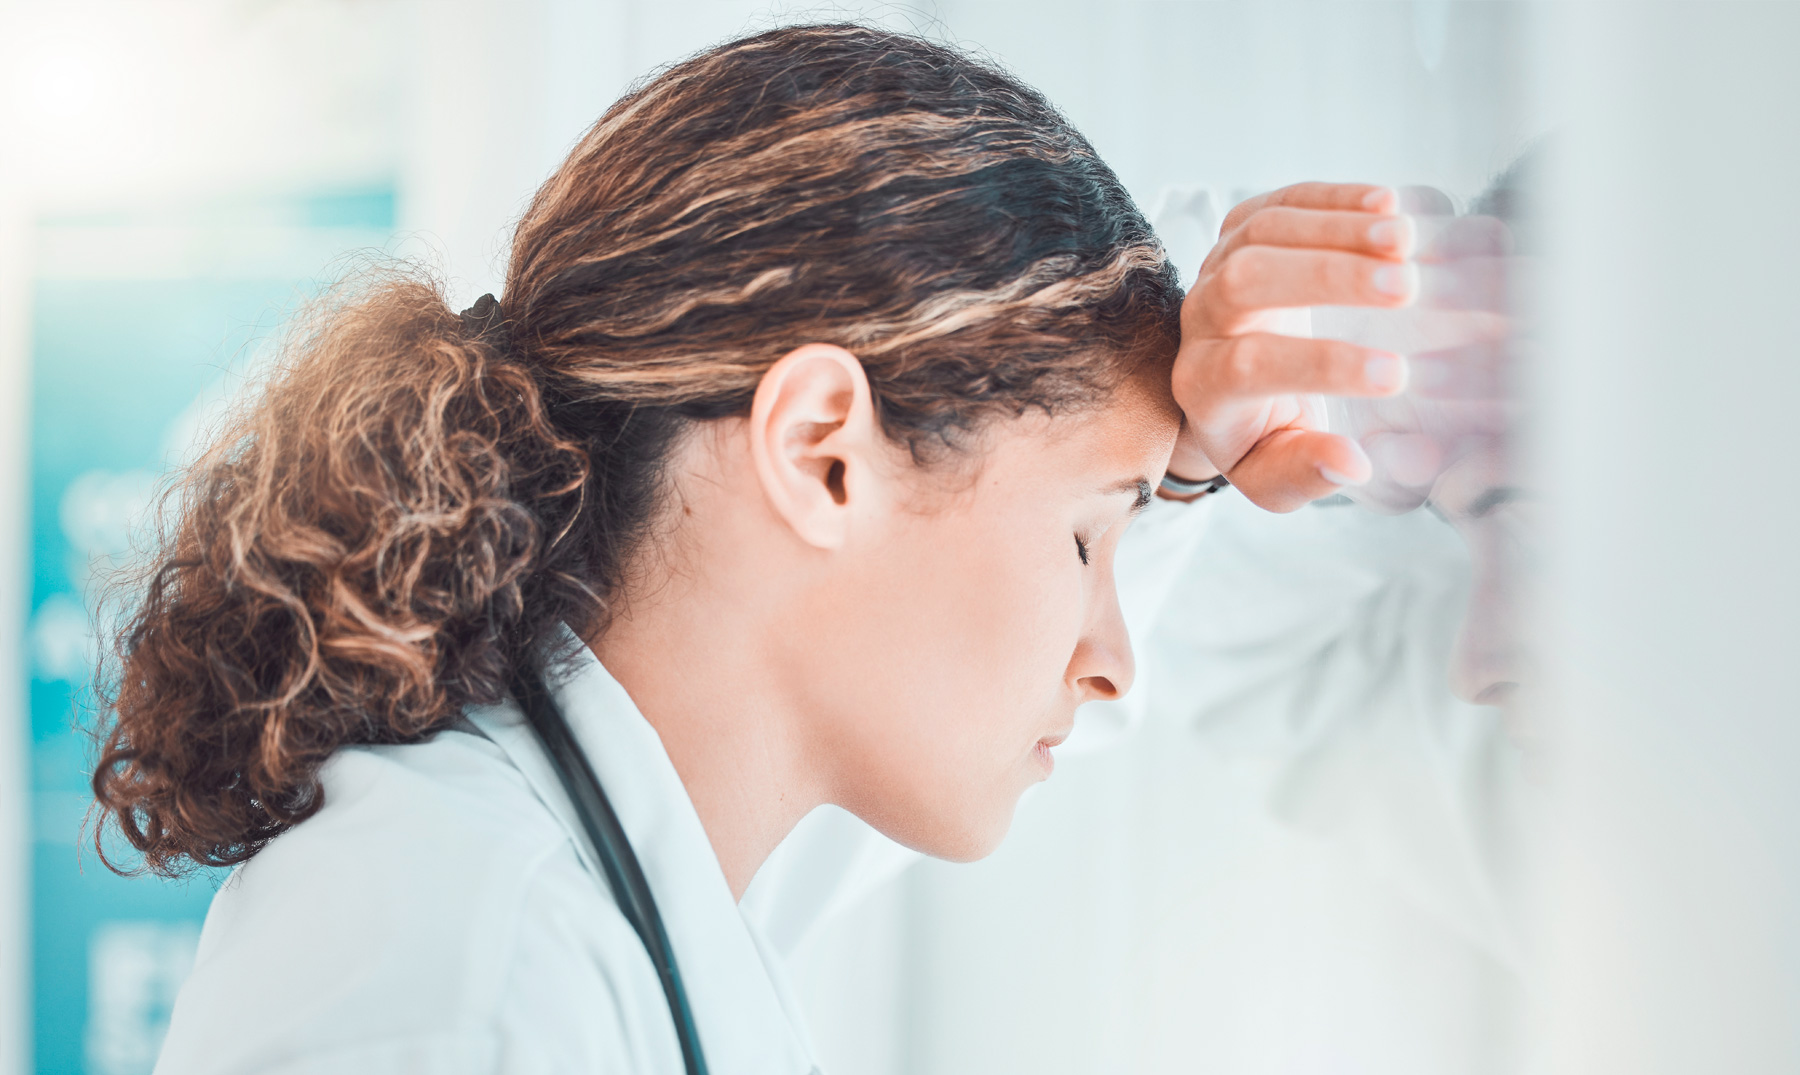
[{"x": 1186, "y": 490}]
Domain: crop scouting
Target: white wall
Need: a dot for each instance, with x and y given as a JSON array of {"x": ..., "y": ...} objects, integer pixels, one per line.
[{"x": 1676, "y": 595}]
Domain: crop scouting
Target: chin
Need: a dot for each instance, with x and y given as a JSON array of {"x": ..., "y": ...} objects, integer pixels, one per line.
[
  {"x": 942, "y": 820},
  {"x": 968, "y": 839}
]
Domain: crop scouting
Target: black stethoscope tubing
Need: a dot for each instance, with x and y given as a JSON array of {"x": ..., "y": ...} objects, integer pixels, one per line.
[{"x": 623, "y": 873}]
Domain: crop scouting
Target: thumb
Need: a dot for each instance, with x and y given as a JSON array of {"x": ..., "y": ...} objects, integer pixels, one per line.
[{"x": 1290, "y": 467}]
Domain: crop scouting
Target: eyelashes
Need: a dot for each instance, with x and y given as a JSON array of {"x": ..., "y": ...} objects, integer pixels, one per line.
[{"x": 1081, "y": 549}]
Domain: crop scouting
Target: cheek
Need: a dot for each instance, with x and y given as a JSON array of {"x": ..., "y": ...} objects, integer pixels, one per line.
[
  {"x": 1004, "y": 612},
  {"x": 966, "y": 630}
]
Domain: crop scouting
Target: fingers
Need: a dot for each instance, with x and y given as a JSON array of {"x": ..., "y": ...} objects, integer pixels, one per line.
[
  {"x": 1264, "y": 364},
  {"x": 1479, "y": 371},
  {"x": 1426, "y": 201},
  {"x": 1464, "y": 237},
  {"x": 1291, "y": 467},
  {"x": 1467, "y": 284},
  {"x": 1373, "y": 234},
  {"x": 1349, "y": 197},
  {"x": 1256, "y": 278},
  {"x": 1252, "y": 397},
  {"x": 1412, "y": 460}
]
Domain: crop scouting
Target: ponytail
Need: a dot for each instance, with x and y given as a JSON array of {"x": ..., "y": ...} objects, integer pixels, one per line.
[{"x": 353, "y": 563}]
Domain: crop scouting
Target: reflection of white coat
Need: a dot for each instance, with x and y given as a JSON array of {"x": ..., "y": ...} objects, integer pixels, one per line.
[{"x": 440, "y": 914}]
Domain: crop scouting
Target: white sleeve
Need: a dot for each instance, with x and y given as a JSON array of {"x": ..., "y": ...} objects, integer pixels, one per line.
[{"x": 1317, "y": 645}]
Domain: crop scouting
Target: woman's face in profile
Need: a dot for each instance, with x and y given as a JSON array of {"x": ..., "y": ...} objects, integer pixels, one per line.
[
  {"x": 953, "y": 656},
  {"x": 1498, "y": 521}
]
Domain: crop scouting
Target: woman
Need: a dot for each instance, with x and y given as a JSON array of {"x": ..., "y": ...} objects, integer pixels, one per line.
[{"x": 830, "y": 369}]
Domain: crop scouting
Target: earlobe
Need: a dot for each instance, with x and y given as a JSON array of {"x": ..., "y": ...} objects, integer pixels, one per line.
[{"x": 812, "y": 438}]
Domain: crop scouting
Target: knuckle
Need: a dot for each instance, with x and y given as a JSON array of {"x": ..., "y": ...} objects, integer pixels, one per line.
[
  {"x": 1243, "y": 359},
  {"x": 1199, "y": 384},
  {"x": 1267, "y": 225},
  {"x": 1237, "y": 276}
]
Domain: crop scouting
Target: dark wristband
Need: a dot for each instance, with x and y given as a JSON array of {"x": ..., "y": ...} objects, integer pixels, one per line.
[{"x": 1183, "y": 488}]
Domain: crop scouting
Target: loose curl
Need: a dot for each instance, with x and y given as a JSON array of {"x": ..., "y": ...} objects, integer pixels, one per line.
[{"x": 406, "y": 511}]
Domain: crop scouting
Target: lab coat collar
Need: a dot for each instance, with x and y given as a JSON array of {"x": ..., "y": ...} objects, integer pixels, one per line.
[{"x": 736, "y": 987}]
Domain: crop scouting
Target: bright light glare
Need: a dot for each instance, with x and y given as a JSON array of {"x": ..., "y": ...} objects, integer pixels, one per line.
[
  {"x": 61, "y": 87},
  {"x": 126, "y": 101}
]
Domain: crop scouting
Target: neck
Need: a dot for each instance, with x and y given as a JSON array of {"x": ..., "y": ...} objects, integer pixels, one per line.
[{"x": 716, "y": 707}]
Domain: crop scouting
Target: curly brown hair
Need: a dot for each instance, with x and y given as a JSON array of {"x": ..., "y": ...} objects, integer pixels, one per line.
[{"x": 407, "y": 510}]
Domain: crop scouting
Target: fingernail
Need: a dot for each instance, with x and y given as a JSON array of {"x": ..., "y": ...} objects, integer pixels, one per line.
[
  {"x": 1379, "y": 197},
  {"x": 1400, "y": 281},
  {"x": 1392, "y": 234},
  {"x": 1335, "y": 478},
  {"x": 1385, "y": 372}
]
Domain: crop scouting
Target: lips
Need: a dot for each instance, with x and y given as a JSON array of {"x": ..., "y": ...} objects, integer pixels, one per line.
[{"x": 1040, "y": 751}]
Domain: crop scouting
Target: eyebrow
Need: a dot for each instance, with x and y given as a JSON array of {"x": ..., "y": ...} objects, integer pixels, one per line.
[
  {"x": 1140, "y": 486},
  {"x": 1496, "y": 497}
]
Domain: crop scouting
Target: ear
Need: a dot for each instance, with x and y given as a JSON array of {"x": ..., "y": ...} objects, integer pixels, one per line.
[{"x": 814, "y": 441}]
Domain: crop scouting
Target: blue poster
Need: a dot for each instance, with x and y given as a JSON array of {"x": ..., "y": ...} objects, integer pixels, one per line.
[{"x": 138, "y": 322}]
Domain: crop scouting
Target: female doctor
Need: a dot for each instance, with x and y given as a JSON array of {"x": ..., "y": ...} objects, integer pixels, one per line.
[{"x": 497, "y": 651}]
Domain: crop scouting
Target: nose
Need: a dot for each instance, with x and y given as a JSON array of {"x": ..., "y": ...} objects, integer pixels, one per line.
[
  {"x": 1483, "y": 667},
  {"x": 1102, "y": 667}
]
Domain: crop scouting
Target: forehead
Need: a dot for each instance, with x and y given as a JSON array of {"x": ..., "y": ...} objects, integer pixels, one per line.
[
  {"x": 1139, "y": 416},
  {"x": 1130, "y": 435},
  {"x": 1127, "y": 436}
]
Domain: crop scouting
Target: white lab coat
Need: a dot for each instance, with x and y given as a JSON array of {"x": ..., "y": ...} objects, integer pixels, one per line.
[{"x": 441, "y": 914}]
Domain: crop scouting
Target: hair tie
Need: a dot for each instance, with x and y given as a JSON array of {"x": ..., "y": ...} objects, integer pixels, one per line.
[{"x": 484, "y": 321}]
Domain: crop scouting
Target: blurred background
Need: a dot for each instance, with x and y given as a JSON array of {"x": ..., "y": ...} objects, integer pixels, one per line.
[{"x": 1313, "y": 856}]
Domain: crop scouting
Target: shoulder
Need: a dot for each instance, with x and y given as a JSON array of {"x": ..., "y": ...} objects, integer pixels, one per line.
[
  {"x": 411, "y": 841},
  {"x": 398, "y": 913}
]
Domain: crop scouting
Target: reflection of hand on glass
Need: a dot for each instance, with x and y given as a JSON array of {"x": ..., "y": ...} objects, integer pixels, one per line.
[
  {"x": 1446, "y": 441},
  {"x": 1291, "y": 377},
  {"x": 1248, "y": 378},
  {"x": 1460, "y": 344}
]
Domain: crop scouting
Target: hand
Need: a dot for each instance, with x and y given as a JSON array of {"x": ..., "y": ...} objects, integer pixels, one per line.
[
  {"x": 1463, "y": 341},
  {"x": 1249, "y": 381}
]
